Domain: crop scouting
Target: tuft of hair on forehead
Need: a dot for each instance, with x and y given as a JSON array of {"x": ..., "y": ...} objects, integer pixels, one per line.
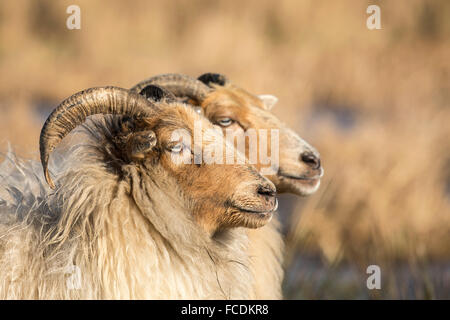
[
  {"x": 232, "y": 95},
  {"x": 178, "y": 116}
]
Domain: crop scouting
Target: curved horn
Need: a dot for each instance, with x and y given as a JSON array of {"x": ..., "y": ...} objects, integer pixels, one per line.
[
  {"x": 216, "y": 78},
  {"x": 74, "y": 110},
  {"x": 178, "y": 84}
]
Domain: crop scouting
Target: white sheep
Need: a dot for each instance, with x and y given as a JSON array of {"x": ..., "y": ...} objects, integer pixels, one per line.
[{"x": 126, "y": 218}]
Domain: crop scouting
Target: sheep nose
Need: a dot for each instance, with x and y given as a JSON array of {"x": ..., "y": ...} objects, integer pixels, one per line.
[
  {"x": 267, "y": 191},
  {"x": 310, "y": 159}
]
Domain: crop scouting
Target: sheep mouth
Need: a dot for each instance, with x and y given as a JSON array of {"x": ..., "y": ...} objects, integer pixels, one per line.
[
  {"x": 302, "y": 185},
  {"x": 303, "y": 177},
  {"x": 262, "y": 212},
  {"x": 307, "y": 181}
]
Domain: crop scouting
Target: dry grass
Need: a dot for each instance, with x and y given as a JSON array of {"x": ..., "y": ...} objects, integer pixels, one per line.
[{"x": 375, "y": 103}]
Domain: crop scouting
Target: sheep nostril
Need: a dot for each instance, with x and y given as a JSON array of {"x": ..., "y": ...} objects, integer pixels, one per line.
[
  {"x": 310, "y": 159},
  {"x": 266, "y": 191}
]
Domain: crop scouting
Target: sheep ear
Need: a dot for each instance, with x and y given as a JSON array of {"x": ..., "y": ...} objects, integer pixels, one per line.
[
  {"x": 156, "y": 94},
  {"x": 269, "y": 100},
  {"x": 141, "y": 143}
]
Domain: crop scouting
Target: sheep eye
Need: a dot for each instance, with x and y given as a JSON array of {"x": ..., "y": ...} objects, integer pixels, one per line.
[
  {"x": 225, "y": 122},
  {"x": 176, "y": 148}
]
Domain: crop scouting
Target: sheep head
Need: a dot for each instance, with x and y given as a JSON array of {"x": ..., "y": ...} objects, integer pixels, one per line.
[
  {"x": 155, "y": 136},
  {"x": 237, "y": 111}
]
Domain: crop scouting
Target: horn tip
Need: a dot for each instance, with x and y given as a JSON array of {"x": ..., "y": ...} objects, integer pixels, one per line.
[{"x": 49, "y": 179}]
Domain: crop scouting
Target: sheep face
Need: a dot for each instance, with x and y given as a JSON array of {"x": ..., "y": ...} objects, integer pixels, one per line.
[
  {"x": 236, "y": 111},
  {"x": 218, "y": 194}
]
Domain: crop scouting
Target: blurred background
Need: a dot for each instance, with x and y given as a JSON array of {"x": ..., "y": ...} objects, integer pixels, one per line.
[{"x": 375, "y": 103}]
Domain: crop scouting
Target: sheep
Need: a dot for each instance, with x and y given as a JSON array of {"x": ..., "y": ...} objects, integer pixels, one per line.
[
  {"x": 235, "y": 109},
  {"x": 132, "y": 219}
]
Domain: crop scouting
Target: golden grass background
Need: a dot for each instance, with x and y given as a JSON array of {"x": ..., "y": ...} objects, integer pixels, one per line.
[{"x": 375, "y": 103}]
